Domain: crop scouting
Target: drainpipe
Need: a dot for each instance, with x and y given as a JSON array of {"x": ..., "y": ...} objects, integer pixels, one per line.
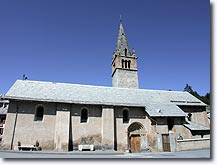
[{"x": 15, "y": 122}]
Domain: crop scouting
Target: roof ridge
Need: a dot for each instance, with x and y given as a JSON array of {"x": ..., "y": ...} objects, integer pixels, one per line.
[{"x": 110, "y": 87}]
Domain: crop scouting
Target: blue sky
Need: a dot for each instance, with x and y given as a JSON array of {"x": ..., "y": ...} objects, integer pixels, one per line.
[{"x": 73, "y": 41}]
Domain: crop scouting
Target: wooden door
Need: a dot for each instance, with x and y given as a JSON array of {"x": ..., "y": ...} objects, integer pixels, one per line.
[
  {"x": 166, "y": 142},
  {"x": 135, "y": 144}
]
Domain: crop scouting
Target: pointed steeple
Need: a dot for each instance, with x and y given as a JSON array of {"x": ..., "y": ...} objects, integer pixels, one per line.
[
  {"x": 124, "y": 63},
  {"x": 122, "y": 47}
]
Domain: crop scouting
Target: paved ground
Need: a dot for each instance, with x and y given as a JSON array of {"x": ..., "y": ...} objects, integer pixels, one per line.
[{"x": 183, "y": 154}]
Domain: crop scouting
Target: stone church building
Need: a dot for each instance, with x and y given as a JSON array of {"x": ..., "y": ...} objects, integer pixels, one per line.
[{"x": 123, "y": 118}]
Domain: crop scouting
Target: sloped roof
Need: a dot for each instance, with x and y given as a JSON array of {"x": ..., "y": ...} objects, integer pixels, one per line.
[
  {"x": 163, "y": 109},
  {"x": 153, "y": 100},
  {"x": 196, "y": 127}
]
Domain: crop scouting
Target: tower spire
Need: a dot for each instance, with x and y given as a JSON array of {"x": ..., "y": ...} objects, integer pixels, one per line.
[
  {"x": 124, "y": 63},
  {"x": 122, "y": 45}
]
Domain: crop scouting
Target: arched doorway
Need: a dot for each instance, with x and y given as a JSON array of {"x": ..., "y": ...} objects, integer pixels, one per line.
[{"x": 134, "y": 137}]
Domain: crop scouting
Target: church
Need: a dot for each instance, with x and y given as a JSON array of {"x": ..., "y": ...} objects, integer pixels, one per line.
[{"x": 122, "y": 118}]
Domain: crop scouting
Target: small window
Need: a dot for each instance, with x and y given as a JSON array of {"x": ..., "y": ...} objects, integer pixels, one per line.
[
  {"x": 125, "y": 52},
  {"x": 84, "y": 115},
  {"x": 125, "y": 116},
  {"x": 1, "y": 105},
  {"x": 129, "y": 64},
  {"x": 126, "y": 64},
  {"x": 122, "y": 63},
  {"x": 39, "y": 113},
  {"x": 170, "y": 122}
]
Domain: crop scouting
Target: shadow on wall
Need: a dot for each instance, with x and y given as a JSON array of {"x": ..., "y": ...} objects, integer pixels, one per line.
[{"x": 91, "y": 139}]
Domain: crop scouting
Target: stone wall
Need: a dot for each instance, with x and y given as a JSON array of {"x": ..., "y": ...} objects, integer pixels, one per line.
[
  {"x": 57, "y": 130},
  {"x": 61, "y": 137},
  {"x": 199, "y": 114},
  {"x": 178, "y": 130},
  {"x": 28, "y": 131},
  {"x": 148, "y": 139},
  {"x": 191, "y": 144},
  {"x": 89, "y": 132},
  {"x": 108, "y": 128},
  {"x": 61, "y": 128},
  {"x": 125, "y": 79},
  {"x": 117, "y": 62}
]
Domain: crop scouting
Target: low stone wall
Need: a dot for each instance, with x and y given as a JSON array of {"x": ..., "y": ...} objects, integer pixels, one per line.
[{"x": 192, "y": 144}]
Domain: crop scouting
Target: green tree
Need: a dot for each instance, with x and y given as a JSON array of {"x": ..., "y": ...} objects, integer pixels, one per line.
[{"x": 205, "y": 99}]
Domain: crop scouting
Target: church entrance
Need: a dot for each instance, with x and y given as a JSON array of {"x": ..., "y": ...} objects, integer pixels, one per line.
[
  {"x": 135, "y": 130},
  {"x": 135, "y": 143}
]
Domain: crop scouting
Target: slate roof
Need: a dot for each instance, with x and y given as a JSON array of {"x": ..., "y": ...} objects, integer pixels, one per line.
[
  {"x": 153, "y": 100},
  {"x": 196, "y": 127},
  {"x": 163, "y": 109}
]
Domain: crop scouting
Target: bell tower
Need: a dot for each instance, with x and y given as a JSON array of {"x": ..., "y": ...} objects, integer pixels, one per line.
[{"x": 124, "y": 63}]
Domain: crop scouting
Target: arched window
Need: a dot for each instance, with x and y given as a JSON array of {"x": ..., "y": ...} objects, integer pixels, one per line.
[
  {"x": 125, "y": 116},
  {"x": 122, "y": 63},
  {"x": 125, "y": 52},
  {"x": 129, "y": 64},
  {"x": 170, "y": 122},
  {"x": 84, "y": 115},
  {"x": 39, "y": 113},
  {"x": 125, "y": 63}
]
